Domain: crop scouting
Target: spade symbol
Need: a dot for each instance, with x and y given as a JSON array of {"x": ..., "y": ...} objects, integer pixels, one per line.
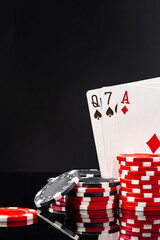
[
  {"x": 109, "y": 112},
  {"x": 97, "y": 114}
]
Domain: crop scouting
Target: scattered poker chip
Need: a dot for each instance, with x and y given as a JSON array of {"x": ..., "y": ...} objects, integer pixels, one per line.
[
  {"x": 18, "y": 223},
  {"x": 83, "y": 224},
  {"x": 138, "y": 157},
  {"x": 127, "y": 237},
  {"x": 135, "y": 199},
  {"x": 139, "y": 182},
  {"x": 135, "y": 208},
  {"x": 145, "y": 186},
  {"x": 140, "y": 195},
  {"x": 92, "y": 229},
  {"x": 141, "y": 178},
  {"x": 98, "y": 182},
  {"x": 61, "y": 204},
  {"x": 55, "y": 189},
  {"x": 140, "y": 204},
  {"x": 140, "y": 164},
  {"x": 51, "y": 210},
  {"x": 137, "y": 168},
  {"x": 105, "y": 194},
  {"x": 93, "y": 190},
  {"x": 140, "y": 218},
  {"x": 91, "y": 207},
  {"x": 139, "y": 173},
  {"x": 116, "y": 229},
  {"x": 135, "y": 213},
  {"x": 140, "y": 230},
  {"x": 92, "y": 220},
  {"x": 145, "y": 235},
  {"x": 8, "y": 214},
  {"x": 140, "y": 190},
  {"x": 89, "y": 173},
  {"x": 92, "y": 199}
]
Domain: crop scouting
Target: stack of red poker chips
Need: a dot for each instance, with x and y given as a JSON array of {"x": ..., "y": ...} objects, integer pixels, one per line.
[
  {"x": 91, "y": 207},
  {"x": 139, "y": 198},
  {"x": 59, "y": 206}
]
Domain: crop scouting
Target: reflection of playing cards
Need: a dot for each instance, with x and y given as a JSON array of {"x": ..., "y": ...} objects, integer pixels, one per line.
[{"x": 125, "y": 119}]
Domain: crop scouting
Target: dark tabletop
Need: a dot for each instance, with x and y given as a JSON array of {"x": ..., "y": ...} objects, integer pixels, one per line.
[{"x": 18, "y": 190}]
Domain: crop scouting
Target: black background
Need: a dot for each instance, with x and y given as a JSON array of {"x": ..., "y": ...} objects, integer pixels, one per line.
[{"x": 51, "y": 53}]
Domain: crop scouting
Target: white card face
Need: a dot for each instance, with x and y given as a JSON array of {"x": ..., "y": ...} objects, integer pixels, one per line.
[
  {"x": 94, "y": 104},
  {"x": 137, "y": 124}
]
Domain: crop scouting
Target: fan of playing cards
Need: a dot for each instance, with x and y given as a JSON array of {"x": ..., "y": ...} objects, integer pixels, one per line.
[{"x": 125, "y": 119}]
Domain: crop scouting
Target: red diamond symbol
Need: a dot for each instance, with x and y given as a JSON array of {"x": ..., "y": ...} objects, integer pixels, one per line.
[
  {"x": 124, "y": 109},
  {"x": 153, "y": 143}
]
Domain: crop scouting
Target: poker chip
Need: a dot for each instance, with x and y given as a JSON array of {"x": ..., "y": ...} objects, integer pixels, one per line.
[
  {"x": 51, "y": 210},
  {"x": 139, "y": 208},
  {"x": 140, "y": 204},
  {"x": 139, "y": 182},
  {"x": 105, "y": 194},
  {"x": 127, "y": 237},
  {"x": 142, "y": 178},
  {"x": 57, "y": 188},
  {"x": 116, "y": 229},
  {"x": 92, "y": 199},
  {"x": 139, "y": 173},
  {"x": 145, "y": 186},
  {"x": 89, "y": 225},
  {"x": 139, "y": 157},
  {"x": 92, "y": 229},
  {"x": 91, "y": 220},
  {"x": 9, "y": 214},
  {"x": 93, "y": 190},
  {"x": 63, "y": 199},
  {"x": 140, "y": 234},
  {"x": 140, "y": 195},
  {"x": 98, "y": 182},
  {"x": 137, "y": 168},
  {"x": 92, "y": 203},
  {"x": 140, "y": 218},
  {"x": 91, "y": 207},
  {"x": 140, "y": 190},
  {"x": 18, "y": 223},
  {"x": 59, "y": 204},
  {"x": 139, "y": 164},
  {"x": 134, "y": 199},
  {"x": 59, "y": 208},
  {"x": 138, "y": 224},
  {"x": 135, "y": 213},
  {"x": 140, "y": 230},
  {"x": 90, "y": 214}
]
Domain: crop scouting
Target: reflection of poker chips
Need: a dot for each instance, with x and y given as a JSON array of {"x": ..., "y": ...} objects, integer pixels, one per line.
[
  {"x": 140, "y": 218},
  {"x": 127, "y": 237},
  {"x": 51, "y": 210},
  {"x": 139, "y": 182},
  {"x": 139, "y": 173},
  {"x": 98, "y": 182},
  {"x": 92, "y": 199},
  {"x": 93, "y": 190},
  {"x": 83, "y": 224},
  {"x": 140, "y": 195},
  {"x": 139, "y": 164},
  {"x": 134, "y": 213},
  {"x": 105, "y": 194},
  {"x": 18, "y": 223},
  {"x": 140, "y": 178},
  {"x": 92, "y": 229},
  {"x": 139, "y": 157},
  {"x": 10, "y": 214},
  {"x": 134, "y": 199},
  {"x": 107, "y": 232},
  {"x": 91, "y": 207},
  {"x": 140, "y": 204},
  {"x": 137, "y": 234},
  {"x": 135, "y": 208},
  {"x": 91, "y": 220},
  {"x": 57, "y": 188}
]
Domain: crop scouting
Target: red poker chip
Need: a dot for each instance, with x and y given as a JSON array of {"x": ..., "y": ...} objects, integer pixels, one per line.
[
  {"x": 141, "y": 230},
  {"x": 135, "y": 213},
  {"x": 58, "y": 204},
  {"x": 139, "y": 164},
  {"x": 134, "y": 199},
  {"x": 139, "y": 182},
  {"x": 147, "y": 225},
  {"x": 137, "y": 168},
  {"x": 18, "y": 223},
  {"x": 135, "y": 208},
  {"x": 140, "y": 190},
  {"x": 127, "y": 237},
  {"x": 93, "y": 190},
  {"x": 92, "y": 199},
  {"x": 63, "y": 200},
  {"x": 92, "y": 229},
  {"x": 8, "y": 214},
  {"x": 138, "y": 156},
  {"x": 91, "y": 220},
  {"x": 139, "y": 195},
  {"x": 141, "y": 178},
  {"x": 140, "y": 234},
  {"x": 90, "y": 214},
  {"x": 140, "y": 204},
  {"x": 144, "y": 186},
  {"x": 140, "y": 218},
  {"x": 139, "y": 173},
  {"x": 59, "y": 208},
  {"x": 90, "y": 207}
]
